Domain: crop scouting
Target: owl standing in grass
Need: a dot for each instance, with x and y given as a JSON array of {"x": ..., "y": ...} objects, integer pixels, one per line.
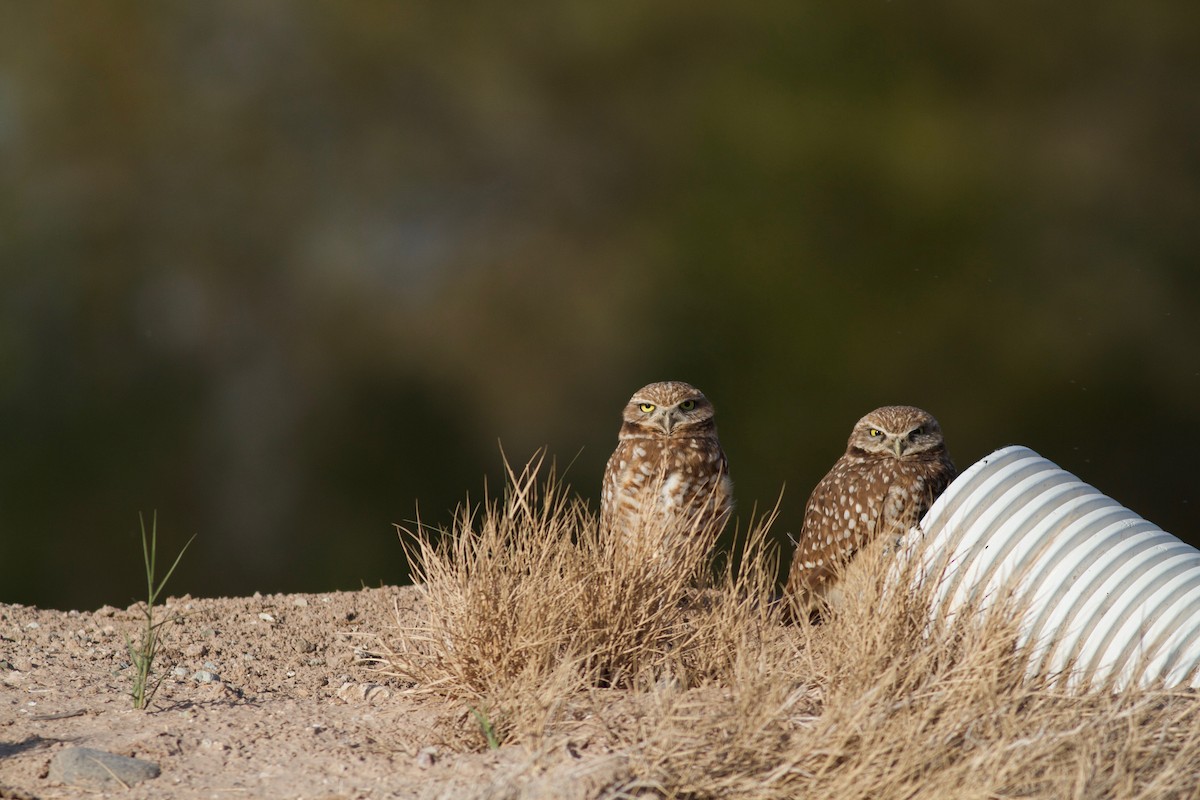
[
  {"x": 894, "y": 467},
  {"x": 667, "y": 483}
]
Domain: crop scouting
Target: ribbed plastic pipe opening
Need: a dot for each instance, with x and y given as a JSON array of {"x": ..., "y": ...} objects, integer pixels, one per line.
[{"x": 1111, "y": 599}]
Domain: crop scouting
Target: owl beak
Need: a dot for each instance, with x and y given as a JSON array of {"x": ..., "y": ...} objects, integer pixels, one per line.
[
  {"x": 669, "y": 421},
  {"x": 898, "y": 445}
]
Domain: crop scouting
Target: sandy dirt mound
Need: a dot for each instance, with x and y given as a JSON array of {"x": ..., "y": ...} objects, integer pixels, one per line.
[{"x": 264, "y": 696}]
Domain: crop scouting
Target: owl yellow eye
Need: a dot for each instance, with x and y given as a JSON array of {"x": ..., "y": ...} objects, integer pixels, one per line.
[
  {"x": 688, "y": 405},
  {"x": 874, "y": 432},
  {"x": 646, "y": 407}
]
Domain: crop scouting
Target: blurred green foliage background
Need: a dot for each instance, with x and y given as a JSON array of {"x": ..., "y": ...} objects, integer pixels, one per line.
[{"x": 287, "y": 271}]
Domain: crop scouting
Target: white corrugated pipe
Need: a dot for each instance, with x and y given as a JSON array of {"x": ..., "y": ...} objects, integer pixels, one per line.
[{"x": 1111, "y": 599}]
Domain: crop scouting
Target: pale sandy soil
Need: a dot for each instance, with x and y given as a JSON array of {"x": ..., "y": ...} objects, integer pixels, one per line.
[{"x": 297, "y": 708}]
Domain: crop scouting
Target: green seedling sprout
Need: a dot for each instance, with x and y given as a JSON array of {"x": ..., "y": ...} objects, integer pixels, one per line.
[{"x": 143, "y": 653}]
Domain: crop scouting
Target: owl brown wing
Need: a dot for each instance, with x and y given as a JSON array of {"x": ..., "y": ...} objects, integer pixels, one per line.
[
  {"x": 704, "y": 489},
  {"x": 618, "y": 496},
  {"x": 840, "y": 517}
]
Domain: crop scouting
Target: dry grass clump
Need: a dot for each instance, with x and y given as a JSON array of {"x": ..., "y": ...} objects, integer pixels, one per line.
[
  {"x": 529, "y": 608},
  {"x": 918, "y": 704},
  {"x": 705, "y": 692}
]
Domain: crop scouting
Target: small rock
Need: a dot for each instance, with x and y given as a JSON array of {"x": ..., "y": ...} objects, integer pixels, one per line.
[
  {"x": 427, "y": 757},
  {"x": 301, "y": 601},
  {"x": 369, "y": 693},
  {"x": 266, "y": 617},
  {"x": 206, "y": 676},
  {"x": 32, "y": 625},
  {"x": 180, "y": 672},
  {"x": 97, "y": 769}
]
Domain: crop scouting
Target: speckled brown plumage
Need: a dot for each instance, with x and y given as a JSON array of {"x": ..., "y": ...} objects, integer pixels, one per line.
[
  {"x": 668, "y": 476},
  {"x": 894, "y": 467}
]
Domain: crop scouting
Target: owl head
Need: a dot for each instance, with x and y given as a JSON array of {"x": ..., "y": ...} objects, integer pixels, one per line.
[
  {"x": 896, "y": 432},
  {"x": 668, "y": 409}
]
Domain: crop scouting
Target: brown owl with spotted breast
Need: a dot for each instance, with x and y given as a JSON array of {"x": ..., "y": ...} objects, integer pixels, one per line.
[
  {"x": 668, "y": 477},
  {"x": 894, "y": 467}
]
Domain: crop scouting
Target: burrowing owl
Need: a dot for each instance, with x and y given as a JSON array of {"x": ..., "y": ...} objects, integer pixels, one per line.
[
  {"x": 894, "y": 467},
  {"x": 668, "y": 476}
]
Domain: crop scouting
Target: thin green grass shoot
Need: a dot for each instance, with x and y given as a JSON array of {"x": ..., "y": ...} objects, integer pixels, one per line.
[{"x": 143, "y": 653}]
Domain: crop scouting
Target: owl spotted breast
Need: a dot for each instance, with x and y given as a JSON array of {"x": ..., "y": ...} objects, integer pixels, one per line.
[
  {"x": 894, "y": 467},
  {"x": 668, "y": 477}
]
